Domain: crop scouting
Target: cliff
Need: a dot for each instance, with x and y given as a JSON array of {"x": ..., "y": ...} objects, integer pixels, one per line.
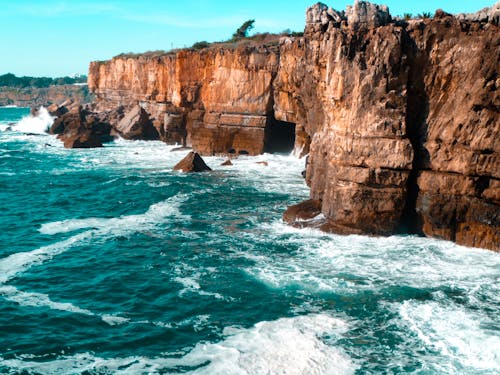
[
  {"x": 216, "y": 100},
  {"x": 400, "y": 118},
  {"x": 44, "y": 96}
]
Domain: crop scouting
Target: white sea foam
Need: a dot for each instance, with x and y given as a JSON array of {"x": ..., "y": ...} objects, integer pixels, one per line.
[
  {"x": 462, "y": 337},
  {"x": 168, "y": 210},
  {"x": 38, "y": 124},
  {"x": 39, "y": 300},
  {"x": 285, "y": 346},
  {"x": 13, "y": 294},
  {"x": 15, "y": 264},
  {"x": 191, "y": 285},
  {"x": 348, "y": 264}
]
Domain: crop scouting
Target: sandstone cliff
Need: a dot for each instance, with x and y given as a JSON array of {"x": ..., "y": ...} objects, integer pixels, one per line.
[
  {"x": 216, "y": 100},
  {"x": 404, "y": 121},
  {"x": 400, "y": 118}
]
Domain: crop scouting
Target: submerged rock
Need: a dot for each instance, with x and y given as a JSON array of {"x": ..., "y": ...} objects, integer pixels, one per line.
[
  {"x": 177, "y": 149},
  {"x": 192, "y": 163}
]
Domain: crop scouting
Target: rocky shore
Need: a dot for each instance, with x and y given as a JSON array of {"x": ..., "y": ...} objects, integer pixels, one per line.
[
  {"x": 400, "y": 118},
  {"x": 44, "y": 96}
]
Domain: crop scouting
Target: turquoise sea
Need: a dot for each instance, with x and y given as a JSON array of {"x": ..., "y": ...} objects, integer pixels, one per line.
[{"x": 111, "y": 263}]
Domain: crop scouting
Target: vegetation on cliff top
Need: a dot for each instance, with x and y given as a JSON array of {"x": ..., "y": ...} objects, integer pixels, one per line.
[
  {"x": 240, "y": 37},
  {"x": 10, "y": 80}
]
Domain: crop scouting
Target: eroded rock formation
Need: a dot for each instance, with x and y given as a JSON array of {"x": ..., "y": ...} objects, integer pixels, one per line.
[
  {"x": 400, "y": 118},
  {"x": 404, "y": 121},
  {"x": 214, "y": 100}
]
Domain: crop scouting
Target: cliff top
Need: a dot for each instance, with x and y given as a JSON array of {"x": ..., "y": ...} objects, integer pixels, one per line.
[
  {"x": 261, "y": 40},
  {"x": 361, "y": 15}
]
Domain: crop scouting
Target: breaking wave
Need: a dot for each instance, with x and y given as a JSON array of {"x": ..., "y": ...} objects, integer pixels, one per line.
[{"x": 39, "y": 124}]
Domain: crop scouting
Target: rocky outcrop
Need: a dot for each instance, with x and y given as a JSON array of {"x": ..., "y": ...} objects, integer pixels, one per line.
[
  {"x": 404, "y": 122},
  {"x": 136, "y": 125},
  {"x": 400, "y": 118},
  {"x": 79, "y": 128},
  {"x": 491, "y": 14},
  {"x": 192, "y": 163},
  {"x": 37, "y": 97}
]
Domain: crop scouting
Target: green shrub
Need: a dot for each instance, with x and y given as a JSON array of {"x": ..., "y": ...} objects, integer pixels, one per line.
[{"x": 200, "y": 45}]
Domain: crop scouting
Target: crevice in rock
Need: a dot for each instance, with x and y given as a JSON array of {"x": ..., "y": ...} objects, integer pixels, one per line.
[{"x": 417, "y": 110}]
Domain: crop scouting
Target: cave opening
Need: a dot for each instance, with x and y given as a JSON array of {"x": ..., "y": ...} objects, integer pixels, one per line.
[{"x": 279, "y": 137}]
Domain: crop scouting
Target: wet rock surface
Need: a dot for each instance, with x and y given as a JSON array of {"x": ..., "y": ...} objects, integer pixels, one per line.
[{"x": 192, "y": 163}]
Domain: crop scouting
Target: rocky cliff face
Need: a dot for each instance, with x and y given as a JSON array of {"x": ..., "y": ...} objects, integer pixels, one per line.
[
  {"x": 400, "y": 118},
  {"x": 36, "y": 97},
  {"x": 404, "y": 122},
  {"x": 216, "y": 100}
]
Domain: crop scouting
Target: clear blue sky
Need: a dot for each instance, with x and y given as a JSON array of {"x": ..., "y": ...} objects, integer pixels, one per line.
[{"x": 56, "y": 37}]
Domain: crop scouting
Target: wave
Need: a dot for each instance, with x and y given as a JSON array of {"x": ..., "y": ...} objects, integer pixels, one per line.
[
  {"x": 14, "y": 265},
  {"x": 284, "y": 346},
  {"x": 38, "y": 124},
  {"x": 13, "y": 294},
  {"x": 156, "y": 214},
  {"x": 460, "y": 336},
  {"x": 349, "y": 264}
]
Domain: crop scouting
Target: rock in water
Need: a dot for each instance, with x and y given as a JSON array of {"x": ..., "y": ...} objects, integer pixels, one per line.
[
  {"x": 228, "y": 162},
  {"x": 80, "y": 128},
  {"x": 85, "y": 140},
  {"x": 192, "y": 163},
  {"x": 137, "y": 125},
  {"x": 303, "y": 211}
]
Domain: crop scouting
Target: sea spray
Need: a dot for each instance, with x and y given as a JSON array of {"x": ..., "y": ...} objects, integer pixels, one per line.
[{"x": 39, "y": 124}]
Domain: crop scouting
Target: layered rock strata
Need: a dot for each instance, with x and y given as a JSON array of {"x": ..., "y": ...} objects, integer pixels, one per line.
[
  {"x": 404, "y": 122},
  {"x": 215, "y": 100},
  {"x": 400, "y": 118}
]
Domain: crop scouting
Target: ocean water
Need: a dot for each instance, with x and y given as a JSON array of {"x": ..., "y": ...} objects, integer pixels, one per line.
[{"x": 111, "y": 263}]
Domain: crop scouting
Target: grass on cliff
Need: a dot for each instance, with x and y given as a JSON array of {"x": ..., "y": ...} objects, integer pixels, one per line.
[{"x": 239, "y": 39}]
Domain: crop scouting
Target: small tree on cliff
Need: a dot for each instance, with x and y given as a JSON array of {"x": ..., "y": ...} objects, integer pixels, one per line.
[{"x": 243, "y": 30}]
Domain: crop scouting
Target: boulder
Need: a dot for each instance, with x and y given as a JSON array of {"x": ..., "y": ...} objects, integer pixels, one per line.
[
  {"x": 80, "y": 128},
  {"x": 303, "y": 211},
  {"x": 228, "y": 162},
  {"x": 85, "y": 140},
  {"x": 192, "y": 163},
  {"x": 60, "y": 109},
  {"x": 136, "y": 125}
]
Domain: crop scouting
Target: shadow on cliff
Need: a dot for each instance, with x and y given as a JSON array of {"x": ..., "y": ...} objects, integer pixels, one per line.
[{"x": 417, "y": 111}]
